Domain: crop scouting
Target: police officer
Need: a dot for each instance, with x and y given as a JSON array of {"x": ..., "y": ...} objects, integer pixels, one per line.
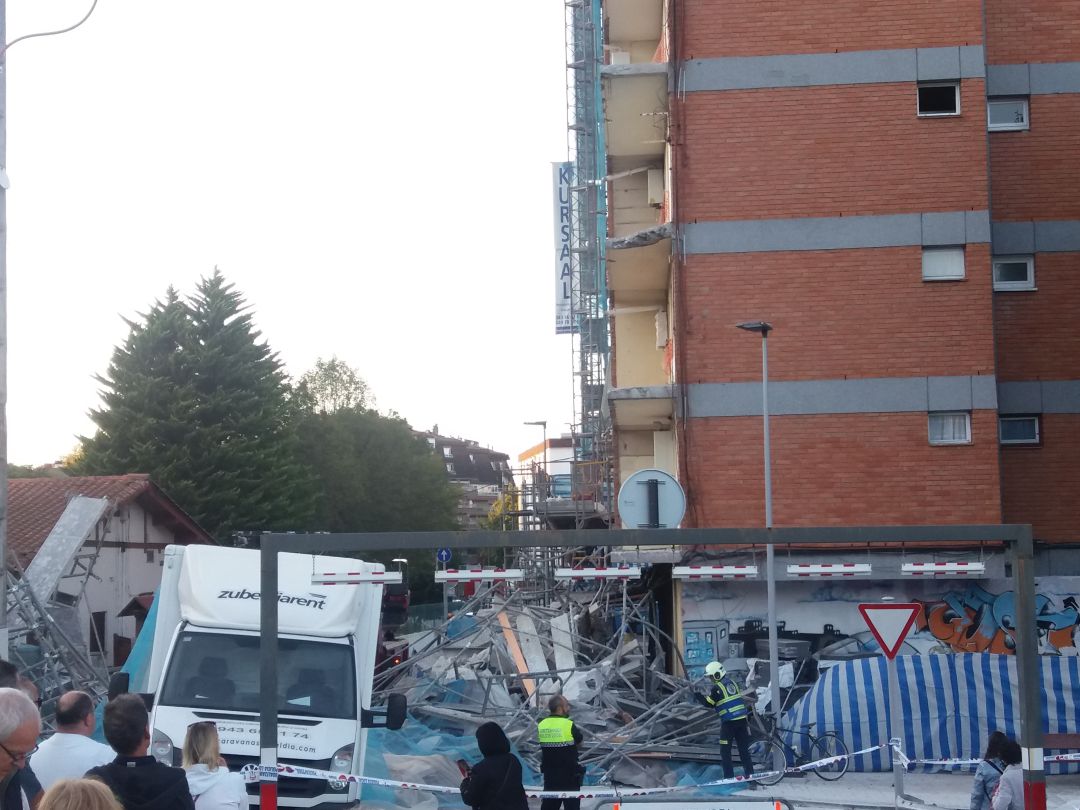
[
  {"x": 726, "y": 697},
  {"x": 559, "y": 739}
]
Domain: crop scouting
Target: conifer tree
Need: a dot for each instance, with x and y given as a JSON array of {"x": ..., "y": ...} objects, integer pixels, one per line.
[{"x": 194, "y": 399}]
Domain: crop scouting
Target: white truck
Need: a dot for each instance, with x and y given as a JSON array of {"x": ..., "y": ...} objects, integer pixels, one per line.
[{"x": 205, "y": 665}]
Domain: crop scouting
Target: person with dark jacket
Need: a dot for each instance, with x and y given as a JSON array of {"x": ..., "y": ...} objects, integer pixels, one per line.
[
  {"x": 138, "y": 780},
  {"x": 559, "y": 740},
  {"x": 494, "y": 783}
]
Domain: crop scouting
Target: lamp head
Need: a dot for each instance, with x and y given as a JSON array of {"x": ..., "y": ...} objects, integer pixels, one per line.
[{"x": 762, "y": 327}]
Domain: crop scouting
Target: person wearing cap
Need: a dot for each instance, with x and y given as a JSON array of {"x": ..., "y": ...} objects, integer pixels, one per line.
[
  {"x": 726, "y": 697},
  {"x": 559, "y": 739}
]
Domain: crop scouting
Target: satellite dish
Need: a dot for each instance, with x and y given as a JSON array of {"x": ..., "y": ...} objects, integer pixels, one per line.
[{"x": 651, "y": 499}]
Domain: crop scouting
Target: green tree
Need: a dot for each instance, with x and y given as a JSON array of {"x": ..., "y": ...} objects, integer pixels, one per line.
[
  {"x": 374, "y": 474},
  {"x": 194, "y": 399},
  {"x": 30, "y": 471},
  {"x": 333, "y": 386},
  {"x": 500, "y": 517}
]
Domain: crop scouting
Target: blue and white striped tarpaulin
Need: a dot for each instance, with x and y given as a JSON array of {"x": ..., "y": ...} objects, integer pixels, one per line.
[{"x": 950, "y": 704}]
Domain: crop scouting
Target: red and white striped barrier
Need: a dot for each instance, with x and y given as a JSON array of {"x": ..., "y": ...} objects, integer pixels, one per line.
[
  {"x": 357, "y": 578},
  {"x": 707, "y": 572},
  {"x": 823, "y": 570},
  {"x": 943, "y": 569},
  {"x": 600, "y": 572},
  {"x": 478, "y": 574}
]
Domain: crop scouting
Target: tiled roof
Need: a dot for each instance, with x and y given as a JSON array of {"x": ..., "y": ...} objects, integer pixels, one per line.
[{"x": 35, "y": 504}]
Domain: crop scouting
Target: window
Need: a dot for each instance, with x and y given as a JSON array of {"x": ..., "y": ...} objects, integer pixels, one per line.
[
  {"x": 939, "y": 98},
  {"x": 221, "y": 671},
  {"x": 942, "y": 264},
  {"x": 1006, "y": 114},
  {"x": 447, "y": 451},
  {"x": 1014, "y": 272},
  {"x": 950, "y": 427},
  {"x": 449, "y": 466},
  {"x": 1018, "y": 429},
  {"x": 431, "y": 443}
]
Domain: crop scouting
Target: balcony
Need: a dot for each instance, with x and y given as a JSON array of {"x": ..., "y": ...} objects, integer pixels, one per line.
[{"x": 643, "y": 408}]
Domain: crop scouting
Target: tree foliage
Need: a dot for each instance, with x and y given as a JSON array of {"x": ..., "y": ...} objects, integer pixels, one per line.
[
  {"x": 333, "y": 386},
  {"x": 375, "y": 475},
  {"x": 193, "y": 398}
]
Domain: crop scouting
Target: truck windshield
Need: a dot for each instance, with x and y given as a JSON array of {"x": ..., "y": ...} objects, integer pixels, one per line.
[{"x": 221, "y": 671}]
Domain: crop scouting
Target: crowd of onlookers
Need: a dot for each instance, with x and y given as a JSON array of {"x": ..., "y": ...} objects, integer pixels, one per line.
[{"x": 71, "y": 771}]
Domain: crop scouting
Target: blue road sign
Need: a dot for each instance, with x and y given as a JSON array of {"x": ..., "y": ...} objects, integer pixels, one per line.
[{"x": 443, "y": 555}]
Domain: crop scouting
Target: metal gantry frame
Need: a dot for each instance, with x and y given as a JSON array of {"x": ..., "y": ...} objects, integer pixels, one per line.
[{"x": 1018, "y": 538}]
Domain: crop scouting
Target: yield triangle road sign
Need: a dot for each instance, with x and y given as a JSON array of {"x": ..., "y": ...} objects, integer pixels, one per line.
[{"x": 890, "y": 622}]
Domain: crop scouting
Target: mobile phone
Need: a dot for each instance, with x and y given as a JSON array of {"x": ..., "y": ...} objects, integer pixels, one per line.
[{"x": 463, "y": 766}]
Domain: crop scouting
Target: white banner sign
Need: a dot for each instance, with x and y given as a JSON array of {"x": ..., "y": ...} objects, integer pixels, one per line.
[{"x": 561, "y": 174}]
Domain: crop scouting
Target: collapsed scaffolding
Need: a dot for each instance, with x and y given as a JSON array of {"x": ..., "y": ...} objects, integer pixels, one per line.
[
  {"x": 575, "y": 626},
  {"x": 45, "y": 640}
]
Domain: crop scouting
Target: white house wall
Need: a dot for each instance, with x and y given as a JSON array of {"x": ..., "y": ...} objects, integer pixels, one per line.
[{"x": 123, "y": 573}]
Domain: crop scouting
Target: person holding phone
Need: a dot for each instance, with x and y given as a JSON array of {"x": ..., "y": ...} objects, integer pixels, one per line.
[{"x": 495, "y": 782}]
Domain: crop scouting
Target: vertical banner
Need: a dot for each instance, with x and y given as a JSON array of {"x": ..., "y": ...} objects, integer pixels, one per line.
[{"x": 561, "y": 174}]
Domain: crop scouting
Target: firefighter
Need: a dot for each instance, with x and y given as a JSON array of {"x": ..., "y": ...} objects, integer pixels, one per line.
[{"x": 726, "y": 697}]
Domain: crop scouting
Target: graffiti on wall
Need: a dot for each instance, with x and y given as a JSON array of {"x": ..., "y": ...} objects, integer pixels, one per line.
[{"x": 976, "y": 620}]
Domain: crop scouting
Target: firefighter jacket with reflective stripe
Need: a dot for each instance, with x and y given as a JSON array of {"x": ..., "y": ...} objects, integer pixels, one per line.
[{"x": 726, "y": 698}]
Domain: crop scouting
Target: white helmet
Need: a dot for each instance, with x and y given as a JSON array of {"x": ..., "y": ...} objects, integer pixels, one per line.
[{"x": 715, "y": 670}]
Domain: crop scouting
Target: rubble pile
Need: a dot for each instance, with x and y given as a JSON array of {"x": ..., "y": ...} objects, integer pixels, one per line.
[{"x": 501, "y": 657}]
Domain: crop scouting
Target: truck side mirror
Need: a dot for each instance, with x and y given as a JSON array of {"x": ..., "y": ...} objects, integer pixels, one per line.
[
  {"x": 119, "y": 684},
  {"x": 392, "y": 717},
  {"x": 396, "y": 709}
]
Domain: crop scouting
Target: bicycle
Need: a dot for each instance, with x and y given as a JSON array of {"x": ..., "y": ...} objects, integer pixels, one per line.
[{"x": 770, "y": 748}]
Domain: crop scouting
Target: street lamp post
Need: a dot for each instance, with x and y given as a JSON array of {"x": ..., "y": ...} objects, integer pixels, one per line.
[
  {"x": 770, "y": 563},
  {"x": 542, "y": 423}
]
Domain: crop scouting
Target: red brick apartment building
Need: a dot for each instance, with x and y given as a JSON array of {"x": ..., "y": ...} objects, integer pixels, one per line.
[{"x": 895, "y": 187}]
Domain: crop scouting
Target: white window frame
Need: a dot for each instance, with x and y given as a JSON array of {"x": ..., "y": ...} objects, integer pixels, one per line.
[
  {"x": 450, "y": 467},
  {"x": 941, "y": 250},
  {"x": 1006, "y": 286},
  {"x": 956, "y": 89},
  {"x": 947, "y": 442},
  {"x": 447, "y": 451},
  {"x": 1027, "y": 442},
  {"x": 1009, "y": 100}
]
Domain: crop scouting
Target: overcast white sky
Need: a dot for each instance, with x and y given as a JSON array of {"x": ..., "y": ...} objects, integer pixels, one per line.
[{"x": 374, "y": 177}]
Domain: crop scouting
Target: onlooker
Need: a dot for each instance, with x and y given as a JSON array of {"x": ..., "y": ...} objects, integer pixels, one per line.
[
  {"x": 138, "y": 780},
  {"x": 69, "y": 753},
  {"x": 559, "y": 739},
  {"x": 1009, "y": 794},
  {"x": 79, "y": 794},
  {"x": 495, "y": 782},
  {"x": 212, "y": 785},
  {"x": 20, "y": 725},
  {"x": 988, "y": 773}
]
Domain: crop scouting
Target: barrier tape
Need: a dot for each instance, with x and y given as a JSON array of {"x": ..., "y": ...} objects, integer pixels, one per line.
[
  {"x": 251, "y": 774},
  {"x": 960, "y": 763}
]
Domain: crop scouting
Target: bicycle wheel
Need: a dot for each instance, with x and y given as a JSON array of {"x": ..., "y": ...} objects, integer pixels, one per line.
[
  {"x": 825, "y": 746},
  {"x": 768, "y": 758}
]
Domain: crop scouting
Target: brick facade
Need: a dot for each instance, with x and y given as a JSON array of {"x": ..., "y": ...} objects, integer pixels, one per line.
[
  {"x": 838, "y": 314},
  {"x": 836, "y": 471}
]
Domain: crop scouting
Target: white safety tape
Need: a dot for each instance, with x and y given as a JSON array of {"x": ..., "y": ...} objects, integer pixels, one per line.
[
  {"x": 251, "y": 774},
  {"x": 960, "y": 763}
]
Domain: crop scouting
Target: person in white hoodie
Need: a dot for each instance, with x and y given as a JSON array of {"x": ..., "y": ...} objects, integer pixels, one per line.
[
  {"x": 1009, "y": 794},
  {"x": 212, "y": 785}
]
